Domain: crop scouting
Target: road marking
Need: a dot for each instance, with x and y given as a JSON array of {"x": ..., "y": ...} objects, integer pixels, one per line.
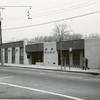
[
  {"x": 5, "y": 77},
  {"x": 42, "y": 73},
  {"x": 43, "y": 91}
]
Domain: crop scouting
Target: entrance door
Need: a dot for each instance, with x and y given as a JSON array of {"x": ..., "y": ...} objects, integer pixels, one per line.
[{"x": 37, "y": 57}]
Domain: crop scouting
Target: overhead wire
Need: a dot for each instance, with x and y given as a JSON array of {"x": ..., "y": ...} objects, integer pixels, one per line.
[
  {"x": 6, "y": 6},
  {"x": 63, "y": 10},
  {"x": 60, "y": 11},
  {"x": 87, "y": 4},
  {"x": 73, "y": 7},
  {"x": 59, "y": 20}
]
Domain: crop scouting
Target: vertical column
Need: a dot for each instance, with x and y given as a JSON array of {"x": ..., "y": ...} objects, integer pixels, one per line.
[
  {"x": 9, "y": 55},
  {"x": 17, "y": 55},
  {"x": 30, "y": 59},
  {"x": 0, "y": 35},
  {"x": 70, "y": 59},
  {"x": 26, "y": 60},
  {"x": 3, "y": 54}
]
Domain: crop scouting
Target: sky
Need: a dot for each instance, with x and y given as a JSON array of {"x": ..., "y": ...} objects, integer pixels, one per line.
[{"x": 43, "y": 11}]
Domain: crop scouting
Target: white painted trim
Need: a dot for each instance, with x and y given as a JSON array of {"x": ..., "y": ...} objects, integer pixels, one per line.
[{"x": 42, "y": 91}]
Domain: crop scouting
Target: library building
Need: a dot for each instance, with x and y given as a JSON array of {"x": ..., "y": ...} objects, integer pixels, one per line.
[{"x": 65, "y": 53}]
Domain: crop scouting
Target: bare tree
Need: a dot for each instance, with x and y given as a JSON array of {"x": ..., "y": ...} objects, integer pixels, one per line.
[
  {"x": 60, "y": 31},
  {"x": 76, "y": 36},
  {"x": 93, "y": 35},
  {"x": 64, "y": 32}
]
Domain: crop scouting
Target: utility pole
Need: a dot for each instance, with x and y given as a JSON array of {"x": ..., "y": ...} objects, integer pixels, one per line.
[
  {"x": 1, "y": 49},
  {"x": 2, "y": 8}
]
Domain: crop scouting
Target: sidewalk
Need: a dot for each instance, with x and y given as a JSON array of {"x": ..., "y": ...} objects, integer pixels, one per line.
[{"x": 57, "y": 68}]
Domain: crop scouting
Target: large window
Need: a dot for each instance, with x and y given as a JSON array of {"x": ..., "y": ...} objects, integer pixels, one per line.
[
  {"x": 6, "y": 55},
  {"x": 13, "y": 55},
  {"x": 21, "y": 55}
]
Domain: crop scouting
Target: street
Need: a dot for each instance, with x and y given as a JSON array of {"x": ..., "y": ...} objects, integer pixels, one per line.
[{"x": 25, "y": 83}]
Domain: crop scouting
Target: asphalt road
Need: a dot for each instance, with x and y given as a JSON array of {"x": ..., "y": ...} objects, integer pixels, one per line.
[{"x": 24, "y": 83}]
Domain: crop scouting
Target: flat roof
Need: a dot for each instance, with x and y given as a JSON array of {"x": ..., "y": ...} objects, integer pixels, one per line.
[
  {"x": 74, "y": 44},
  {"x": 34, "y": 47},
  {"x": 13, "y": 44}
]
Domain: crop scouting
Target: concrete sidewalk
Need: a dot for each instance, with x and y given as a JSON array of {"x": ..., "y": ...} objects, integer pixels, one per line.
[{"x": 57, "y": 68}]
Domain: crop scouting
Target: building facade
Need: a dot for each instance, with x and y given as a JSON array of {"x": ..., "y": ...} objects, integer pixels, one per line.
[
  {"x": 13, "y": 53},
  {"x": 92, "y": 52},
  {"x": 64, "y": 53}
]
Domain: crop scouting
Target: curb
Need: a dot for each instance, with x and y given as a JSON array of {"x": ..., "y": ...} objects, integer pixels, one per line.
[{"x": 92, "y": 73}]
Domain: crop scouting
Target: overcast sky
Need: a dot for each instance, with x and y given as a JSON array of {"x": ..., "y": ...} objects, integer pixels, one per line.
[{"x": 45, "y": 11}]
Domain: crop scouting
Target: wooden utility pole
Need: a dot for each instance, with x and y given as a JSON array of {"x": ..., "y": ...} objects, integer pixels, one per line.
[
  {"x": 2, "y": 8},
  {"x": 1, "y": 51}
]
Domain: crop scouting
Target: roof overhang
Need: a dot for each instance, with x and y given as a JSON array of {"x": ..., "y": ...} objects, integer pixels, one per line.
[
  {"x": 34, "y": 47},
  {"x": 74, "y": 44}
]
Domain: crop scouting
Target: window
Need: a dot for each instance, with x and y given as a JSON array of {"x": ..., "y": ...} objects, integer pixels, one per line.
[
  {"x": 6, "y": 55},
  {"x": 45, "y": 49},
  {"x": 51, "y": 48},
  {"x": 13, "y": 55},
  {"x": 21, "y": 55}
]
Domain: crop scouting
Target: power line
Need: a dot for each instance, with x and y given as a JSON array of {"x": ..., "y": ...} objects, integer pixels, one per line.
[
  {"x": 73, "y": 7},
  {"x": 60, "y": 11},
  {"x": 6, "y": 6},
  {"x": 63, "y": 10},
  {"x": 59, "y": 20}
]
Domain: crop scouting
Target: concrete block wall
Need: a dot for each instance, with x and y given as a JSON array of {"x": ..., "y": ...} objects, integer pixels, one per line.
[
  {"x": 92, "y": 52},
  {"x": 50, "y": 54}
]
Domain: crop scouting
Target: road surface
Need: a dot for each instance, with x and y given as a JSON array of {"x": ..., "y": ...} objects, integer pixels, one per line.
[{"x": 24, "y": 83}]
